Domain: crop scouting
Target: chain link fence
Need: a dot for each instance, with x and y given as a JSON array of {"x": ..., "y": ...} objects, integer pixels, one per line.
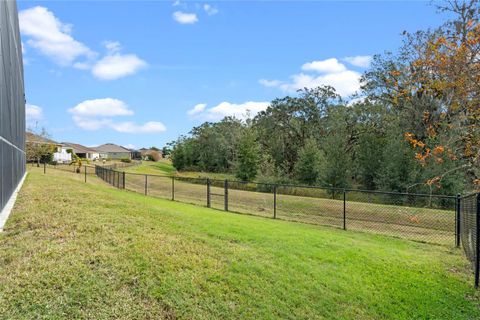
[
  {"x": 436, "y": 219},
  {"x": 420, "y": 217},
  {"x": 470, "y": 231}
]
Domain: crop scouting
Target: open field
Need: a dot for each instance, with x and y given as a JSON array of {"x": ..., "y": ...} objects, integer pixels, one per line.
[
  {"x": 76, "y": 250},
  {"x": 165, "y": 167},
  {"x": 162, "y": 167},
  {"x": 415, "y": 223}
]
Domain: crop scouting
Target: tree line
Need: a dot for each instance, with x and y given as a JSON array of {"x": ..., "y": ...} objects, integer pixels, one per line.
[{"x": 413, "y": 127}]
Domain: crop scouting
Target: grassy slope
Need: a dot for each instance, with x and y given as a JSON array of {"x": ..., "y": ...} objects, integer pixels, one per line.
[
  {"x": 413, "y": 223},
  {"x": 74, "y": 250},
  {"x": 165, "y": 167}
]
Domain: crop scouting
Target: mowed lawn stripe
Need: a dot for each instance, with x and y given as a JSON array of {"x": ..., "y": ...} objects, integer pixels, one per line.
[{"x": 76, "y": 250}]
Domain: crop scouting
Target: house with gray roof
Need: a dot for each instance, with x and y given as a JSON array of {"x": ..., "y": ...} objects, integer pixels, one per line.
[
  {"x": 82, "y": 151},
  {"x": 60, "y": 154},
  {"x": 113, "y": 151}
]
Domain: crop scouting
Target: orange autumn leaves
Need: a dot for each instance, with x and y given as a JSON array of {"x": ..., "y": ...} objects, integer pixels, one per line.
[
  {"x": 425, "y": 153},
  {"x": 447, "y": 70}
]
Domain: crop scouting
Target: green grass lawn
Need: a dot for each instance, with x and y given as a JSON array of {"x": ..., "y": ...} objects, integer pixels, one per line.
[
  {"x": 165, "y": 167},
  {"x": 413, "y": 223},
  {"x": 76, "y": 250},
  {"x": 364, "y": 212},
  {"x": 162, "y": 167}
]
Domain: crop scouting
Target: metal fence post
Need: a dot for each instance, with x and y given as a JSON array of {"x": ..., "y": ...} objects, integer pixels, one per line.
[
  {"x": 275, "y": 202},
  {"x": 477, "y": 244},
  {"x": 123, "y": 179},
  {"x": 344, "y": 210},
  {"x": 173, "y": 188},
  {"x": 208, "y": 193},
  {"x": 44, "y": 167},
  {"x": 146, "y": 184},
  {"x": 226, "y": 195},
  {"x": 457, "y": 220},
  {"x": 85, "y": 168}
]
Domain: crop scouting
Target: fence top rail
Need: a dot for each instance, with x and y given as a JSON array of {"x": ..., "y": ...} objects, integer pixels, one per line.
[
  {"x": 472, "y": 194},
  {"x": 425, "y": 195},
  {"x": 438, "y": 196}
]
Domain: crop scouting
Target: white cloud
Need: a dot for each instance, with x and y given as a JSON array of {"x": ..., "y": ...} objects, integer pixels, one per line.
[
  {"x": 115, "y": 66},
  {"x": 130, "y": 146},
  {"x": 112, "y": 46},
  {"x": 96, "y": 114},
  {"x": 101, "y": 107},
  {"x": 176, "y": 3},
  {"x": 345, "y": 83},
  {"x": 33, "y": 115},
  {"x": 51, "y": 37},
  {"x": 209, "y": 9},
  {"x": 359, "y": 61},
  {"x": 224, "y": 109},
  {"x": 197, "y": 109},
  {"x": 185, "y": 18},
  {"x": 325, "y": 72},
  {"x": 324, "y": 66},
  {"x": 131, "y": 127},
  {"x": 33, "y": 112}
]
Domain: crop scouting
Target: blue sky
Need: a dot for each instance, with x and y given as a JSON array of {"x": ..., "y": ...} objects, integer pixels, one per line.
[{"x": 142, "y": 73}]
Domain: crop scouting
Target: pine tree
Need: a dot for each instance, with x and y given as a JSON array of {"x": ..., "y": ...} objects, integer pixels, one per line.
[
  {"x": 248, "y": 157},
  {"x": 308, "y": 165}
]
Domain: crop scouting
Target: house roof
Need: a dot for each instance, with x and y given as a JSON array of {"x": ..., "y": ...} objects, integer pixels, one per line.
[
  {"x": 110, "y": 147},
  {"x": 78, "y": 148},
  {"x": 35, "y": 138}
]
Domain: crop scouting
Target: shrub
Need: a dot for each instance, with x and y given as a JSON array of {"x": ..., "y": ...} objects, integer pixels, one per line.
[
  {"x": 126, "y": 160},
  {"x": 153, "y": 156}
]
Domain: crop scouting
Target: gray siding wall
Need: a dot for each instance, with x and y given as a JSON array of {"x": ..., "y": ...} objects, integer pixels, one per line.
[{"x": 12, "y": 103}]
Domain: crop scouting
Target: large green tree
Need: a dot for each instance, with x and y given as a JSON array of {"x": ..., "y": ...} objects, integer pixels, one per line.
[
  {"x": 308, "y": 166},
  {"x": 248, "y": 156}
]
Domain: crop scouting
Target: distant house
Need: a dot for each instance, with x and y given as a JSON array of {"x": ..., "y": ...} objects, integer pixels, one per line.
[
  {"x": 136, "y": 154},
  {"x": 82, "y": 151},
  {"x": 61, "y": 155},
  {"x": 113, "y": 151}
]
